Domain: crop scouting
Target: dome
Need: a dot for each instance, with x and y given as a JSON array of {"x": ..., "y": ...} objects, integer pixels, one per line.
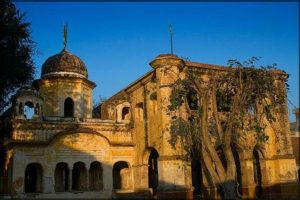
[
  {"x": 166, "y": 55},
  {"x": 64, "y": 63}
]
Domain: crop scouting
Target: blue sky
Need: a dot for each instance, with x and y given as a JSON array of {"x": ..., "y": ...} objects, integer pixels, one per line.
[{"x": 118, "y": 40}]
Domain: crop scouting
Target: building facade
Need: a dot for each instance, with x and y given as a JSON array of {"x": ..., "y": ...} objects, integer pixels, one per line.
[
  {"x": 295, "y": 136},
  {"x": 64, "y": 151}
]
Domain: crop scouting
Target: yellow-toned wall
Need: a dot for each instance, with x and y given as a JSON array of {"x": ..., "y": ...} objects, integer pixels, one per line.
[
  {"x": 150, "y": 128},
  {"x": 70, "y": 148},
  {"x": 55, "y": 91}
]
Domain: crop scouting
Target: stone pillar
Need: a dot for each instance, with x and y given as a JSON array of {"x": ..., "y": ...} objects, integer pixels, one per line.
[
  {"x": 167, "y": 72},
  {"x": 107, "y": 177},
  {"x": 248, "y": 186},
  {"x": 171, "y": 167}
]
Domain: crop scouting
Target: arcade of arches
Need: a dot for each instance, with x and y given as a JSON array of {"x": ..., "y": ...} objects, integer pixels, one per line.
[{"x": 77, "y": 178}]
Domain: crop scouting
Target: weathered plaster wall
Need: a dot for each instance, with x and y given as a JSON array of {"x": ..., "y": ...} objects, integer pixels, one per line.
[
  {"x": 55, "y": 91},
  {"x": 69, "y": 148}
]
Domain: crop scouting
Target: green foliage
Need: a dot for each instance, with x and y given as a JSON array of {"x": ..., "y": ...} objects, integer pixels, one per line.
[
  {"x": 16, "y": 49},
  {"x": 187, "y": 131},
  {"x": 253, "y": 85},
  {"x": 244, "y": 91},
  {"x": 153, "y": 96},
  {"x": 179, "y": 128},
  {"x": 181, "y": 88},
  {"x": 224, "y": 100},
  {"x": 192, "y": 99}
]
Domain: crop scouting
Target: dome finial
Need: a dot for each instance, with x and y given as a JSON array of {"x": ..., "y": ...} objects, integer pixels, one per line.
[
  {"x": 65, "y": 36},
  {"x": 171, "y": 37}
]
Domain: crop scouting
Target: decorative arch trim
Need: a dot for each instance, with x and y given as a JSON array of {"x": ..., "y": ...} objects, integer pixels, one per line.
[{"x": 78, "y": 130}]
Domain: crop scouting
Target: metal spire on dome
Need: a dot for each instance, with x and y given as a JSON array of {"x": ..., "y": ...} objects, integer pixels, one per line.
[
  {"x": 65, "y": 34},
  {"x": 171, "y": 37}
]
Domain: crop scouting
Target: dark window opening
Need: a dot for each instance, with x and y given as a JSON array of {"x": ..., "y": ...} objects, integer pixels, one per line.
[
  {"x": 33, "y": 178},
  {"x": 257, "y": 173},
  {"x": 196, "y": 171},
  {"x": 61, "y": 177},
  {"x": 79, "y": 177},
  {"x": 121, "y": 175},
  {"x": 125, "y": 113},
  {"x": 69, "y": 107},
  {"x": 153, "y": 171},
  {"x": 192, "y": 99},
  {"x": 224, "y": 101},
  {"x": 95, "y": 176}
]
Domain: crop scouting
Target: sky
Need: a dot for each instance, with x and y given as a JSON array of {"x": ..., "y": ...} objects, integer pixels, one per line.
[{"x": 117, "y": 40}]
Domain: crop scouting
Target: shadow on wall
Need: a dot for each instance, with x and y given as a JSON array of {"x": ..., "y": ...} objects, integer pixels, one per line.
[
  {"x": 67, "y": 168},
  {"x": 73, "y": 166},
  {"x": 77, "y": 176},
  {"x": 79, "y": 168},
  {"x": 82, "y": 165}
]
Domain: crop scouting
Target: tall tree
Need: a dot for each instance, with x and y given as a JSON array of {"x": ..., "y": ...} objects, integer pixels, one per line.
[
  {"x": 16, "y": 49},
  {"x": 222, "y": 108}
]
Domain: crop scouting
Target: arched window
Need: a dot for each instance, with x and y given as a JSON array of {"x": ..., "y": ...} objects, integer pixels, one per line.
[
  {"x": 69, "y": 107},
  {"x": 61, "y": 177},
  {"x": 153, "y": 171},
  {"x": 79, "y": 177},
  {"x": 95, "y": 176},
  {"x": 33, "y": 178},
  {"x": 192, "y": 99},
  {"x": 125, "y": 113},
  {"x": 121, "y": 175},
  {"x": 28, "y": 110},
  {"x": 257, "y": 172},
  {"x": 224, "y": 100}
]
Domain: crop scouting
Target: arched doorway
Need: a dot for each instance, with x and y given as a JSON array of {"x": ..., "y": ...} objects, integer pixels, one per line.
[
  {"x": 238, "y": 170},
  {"x": 61, "y": 177},
  {"x": 69, "y": 107},
  {"x": 33, "y": 178},
  {"x": 257, "y": 173},
  {"x": 79, "y": 177},
  {"x": 153, "y": 171},
  {"x": 95, "y": 176},
  {"x": 196, "y": 176},
  {"x": 121, "y": 175}
]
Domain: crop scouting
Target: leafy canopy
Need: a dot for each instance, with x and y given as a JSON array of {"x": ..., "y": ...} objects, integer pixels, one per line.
[
  {"x": 16, "y": 49},
  {"x": 243, "y": 91}
]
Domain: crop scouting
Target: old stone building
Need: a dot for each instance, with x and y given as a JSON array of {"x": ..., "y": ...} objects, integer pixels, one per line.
[
  {"x": 65, "y": 152},
  {"x": 295, "y": 136}
]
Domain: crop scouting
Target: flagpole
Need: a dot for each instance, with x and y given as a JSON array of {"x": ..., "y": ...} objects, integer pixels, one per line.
[
  {"x": 171, "y": 38},
  {"x": 65, "y": 33}
]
